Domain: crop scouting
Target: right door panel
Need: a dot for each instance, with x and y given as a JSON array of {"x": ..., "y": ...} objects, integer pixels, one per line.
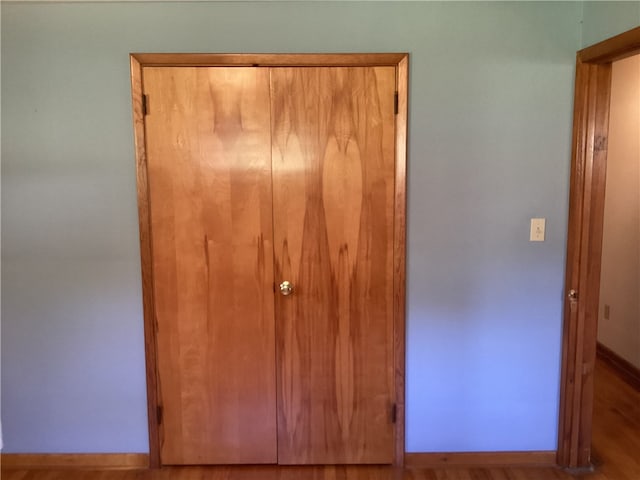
[{"x": 333, "y": 190}]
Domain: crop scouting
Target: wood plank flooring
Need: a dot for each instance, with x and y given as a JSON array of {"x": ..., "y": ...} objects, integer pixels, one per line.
[
  {"x": 616, "y": 426},
  {"x": 616, "y": 442},
  {"x": 298, "y": 473}
]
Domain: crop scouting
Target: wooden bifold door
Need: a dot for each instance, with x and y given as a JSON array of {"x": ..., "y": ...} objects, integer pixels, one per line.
[{"x": 272, "y": 260}]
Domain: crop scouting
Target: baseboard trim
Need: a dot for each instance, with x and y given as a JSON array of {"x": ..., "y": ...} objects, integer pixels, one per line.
[
  {"x": 625, "y": 370},
  {"x": 510, "y": 459},
  {"x": 115, "y": 461}
]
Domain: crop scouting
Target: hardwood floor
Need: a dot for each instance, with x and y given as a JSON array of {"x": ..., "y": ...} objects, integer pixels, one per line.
[
  {"x": 616, "y": 426},
  {"x": 298, "y": 473},
  {"x": 616, "y": 443}
]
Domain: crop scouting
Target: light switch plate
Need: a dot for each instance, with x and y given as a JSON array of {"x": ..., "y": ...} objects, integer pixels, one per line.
[{"x": 537, "y": 230}]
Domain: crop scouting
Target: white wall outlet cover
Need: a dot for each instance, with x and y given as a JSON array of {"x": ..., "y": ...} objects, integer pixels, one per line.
[{"x": 537, "y": 230}]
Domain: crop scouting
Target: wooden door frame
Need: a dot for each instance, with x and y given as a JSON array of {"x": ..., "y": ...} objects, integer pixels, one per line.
[
  {"x": 398, "y": 60},
  {"x": 584, "y": 243}
]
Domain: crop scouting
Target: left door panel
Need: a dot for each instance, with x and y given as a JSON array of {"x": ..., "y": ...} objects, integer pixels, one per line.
[{"x": 209, "y": 162}]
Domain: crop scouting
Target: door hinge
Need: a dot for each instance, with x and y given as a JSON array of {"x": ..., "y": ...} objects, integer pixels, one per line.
[
  {"x": 394, "y": 413},
  {"x": 395, "y": 103},
  {"x": 159, "y": 414},
  {"x": 145, "y": 104}
]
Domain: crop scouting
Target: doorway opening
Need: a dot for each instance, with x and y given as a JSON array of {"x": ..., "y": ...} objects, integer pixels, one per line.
[
  {"x": 616, "y": 417},
  {"x": 584, "y": 243}
]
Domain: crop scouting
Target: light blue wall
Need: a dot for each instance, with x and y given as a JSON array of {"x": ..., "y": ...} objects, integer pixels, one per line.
[
  {"x": 489, "y": 146},
  {"x": 602, "y": 20}
]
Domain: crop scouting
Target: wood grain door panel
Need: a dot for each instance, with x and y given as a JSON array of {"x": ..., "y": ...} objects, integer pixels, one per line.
[
  {"x": 260, "y": 174},
  {"x": 209, "y": 163},
  {"x": 333, "y": 203}
]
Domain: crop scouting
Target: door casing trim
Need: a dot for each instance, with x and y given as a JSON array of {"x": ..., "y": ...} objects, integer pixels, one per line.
[
  {"x": 584, "y": 242},
  {"x": 401, "y": 62}
]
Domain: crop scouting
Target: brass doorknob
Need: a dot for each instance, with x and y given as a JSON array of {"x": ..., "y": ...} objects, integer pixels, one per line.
[{"x": 286, "y": 288}]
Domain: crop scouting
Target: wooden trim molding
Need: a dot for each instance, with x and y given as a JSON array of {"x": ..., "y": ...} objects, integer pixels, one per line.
[
  {"x": 511, "y": 459},
  {"x": 615, "y": 48},
  {"x": 400, "y": 232},
  {"x": 268, "y": 59},
  {"x": 625, "y": 370},
  {"x": 102, "y": 461},
  {"x": 401, "y": 62},
  {"x": 584, "y": 243},
  {"x": 144, "y": 222}
]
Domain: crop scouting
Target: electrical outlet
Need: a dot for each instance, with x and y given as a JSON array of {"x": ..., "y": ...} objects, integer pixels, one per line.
[
  {"x": 537, "y": 230},
  {"x": 607, "y": 311}
]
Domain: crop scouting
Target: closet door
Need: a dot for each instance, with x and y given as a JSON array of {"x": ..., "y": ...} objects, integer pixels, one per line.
[
  {"x": 209, "y": 170},
  {"x": 333, "y": 190}
]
